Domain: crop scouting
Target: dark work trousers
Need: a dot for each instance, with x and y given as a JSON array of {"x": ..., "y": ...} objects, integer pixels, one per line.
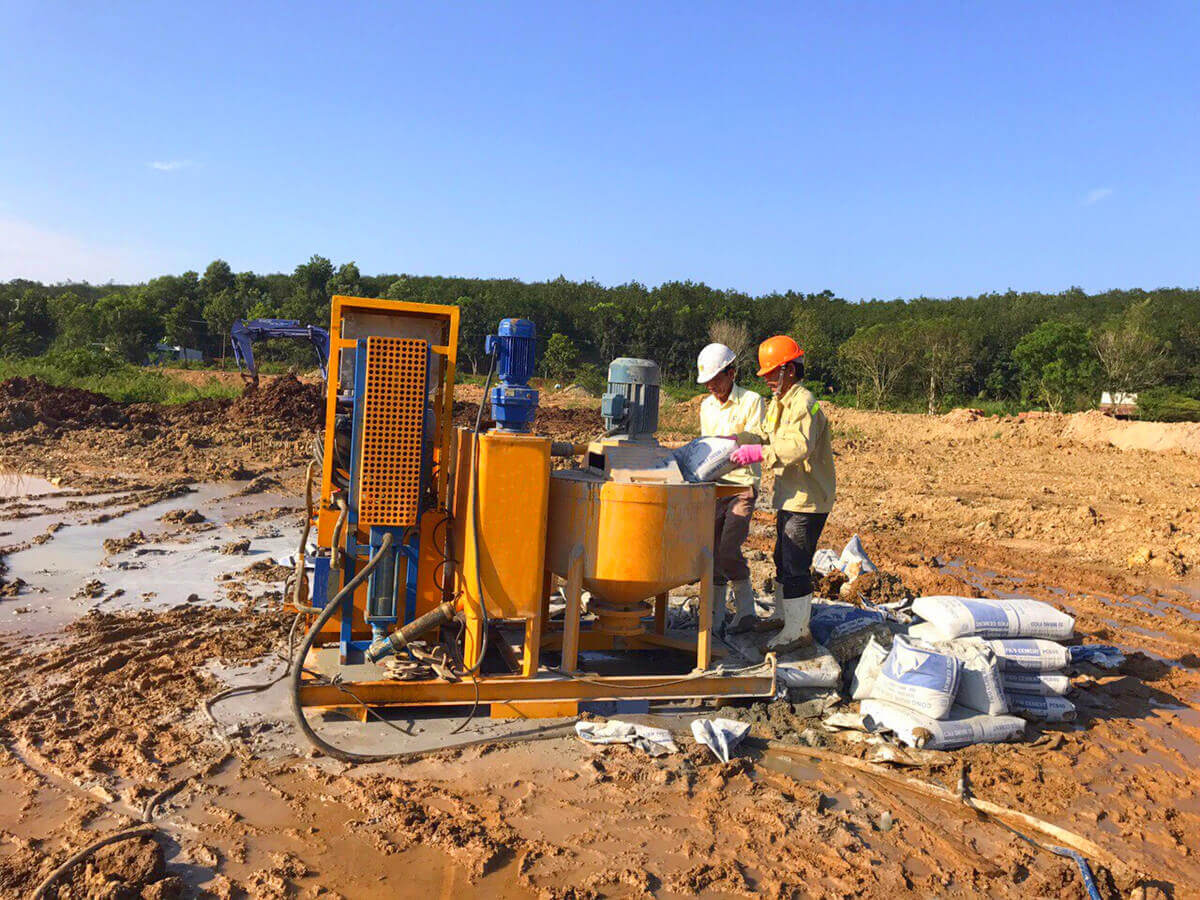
[
  {"x": 796, "y": 536},
  {"x": 732, "y": 527}
]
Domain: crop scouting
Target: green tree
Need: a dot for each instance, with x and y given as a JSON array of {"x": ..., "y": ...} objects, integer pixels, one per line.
[
  {"x": 1130, "y": 357},
  {"x": 217, "y": 277},
  {"x": 1056, "y": 365},
  {"x": 877, "y": 358},
  {"x": 346, "y": 282},
  {"x": 820, "y": 350},
  {"x": 559, "y": 357},
  {"x": 309, "y": 300},
  {"x": 941, "y": 356},
  {"x": 128, "y": 325},
  {"x": 26, "y": 325}
]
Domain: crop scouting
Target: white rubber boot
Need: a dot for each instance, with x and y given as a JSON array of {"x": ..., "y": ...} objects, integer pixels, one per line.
[
  {"x": 719, "y": 593},
  {"x": 745, "y": 616},
  {"x": 795, "y": 633}
]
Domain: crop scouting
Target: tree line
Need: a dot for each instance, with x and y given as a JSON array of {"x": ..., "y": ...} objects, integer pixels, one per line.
[{"x": 1055, "y": 351}]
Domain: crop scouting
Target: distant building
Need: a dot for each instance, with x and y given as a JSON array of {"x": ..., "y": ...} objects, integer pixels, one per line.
[
  {"x": 1120, "y": 404},
  {"x": 164, "y": 353}
]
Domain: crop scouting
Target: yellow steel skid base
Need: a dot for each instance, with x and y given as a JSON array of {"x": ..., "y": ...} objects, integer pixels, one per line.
[{"x": 547, "y": 694}]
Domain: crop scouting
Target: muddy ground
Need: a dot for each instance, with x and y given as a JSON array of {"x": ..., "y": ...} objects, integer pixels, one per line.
[{"x": 141, "y": 547}]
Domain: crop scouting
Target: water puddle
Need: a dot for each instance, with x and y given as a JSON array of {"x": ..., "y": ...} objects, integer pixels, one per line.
[
  {"x": 14, "y": 485},
  {"x": 163, "y": 572}
]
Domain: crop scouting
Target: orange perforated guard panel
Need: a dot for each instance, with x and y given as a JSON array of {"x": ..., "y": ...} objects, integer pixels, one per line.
[{"x": 393, "y": 411}]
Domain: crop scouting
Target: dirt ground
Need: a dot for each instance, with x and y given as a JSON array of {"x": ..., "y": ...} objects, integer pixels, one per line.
[{"x": 141, "y": 547}]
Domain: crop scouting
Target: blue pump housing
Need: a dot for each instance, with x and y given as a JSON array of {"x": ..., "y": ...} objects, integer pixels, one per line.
[{"x": 514, "y": 402}]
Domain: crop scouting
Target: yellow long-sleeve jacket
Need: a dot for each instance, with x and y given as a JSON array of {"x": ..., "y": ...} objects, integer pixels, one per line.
[{"x": 797, "y": 449}]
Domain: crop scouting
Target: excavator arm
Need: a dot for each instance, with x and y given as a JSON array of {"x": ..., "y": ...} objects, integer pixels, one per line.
[{"x": 245, "y": 332}]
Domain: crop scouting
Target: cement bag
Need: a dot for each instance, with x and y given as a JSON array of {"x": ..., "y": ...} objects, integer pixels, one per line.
[
  {"x": 1030, "y": 655},
  {"x": 844, "y": 628},
  {"x": 854, "y": 560},
  {"x": 979, "y": 685},
  {"x": 1045, "y": 709},
  {"x": 705, "y": 458},
  {"x": 962, "y": 728},
  {"x": 1016, "y": 618},
  {"x": 1046, "y": 684},
  {"x": 825, "y": 561},
  {"x": 918, "y": 679},
  {"x": 820, "y": 670},
  {"x": 867, "y": 669}
]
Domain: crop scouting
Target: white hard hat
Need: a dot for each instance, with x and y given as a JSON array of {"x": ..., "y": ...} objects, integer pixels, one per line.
[{"x": 712, "y": 361}]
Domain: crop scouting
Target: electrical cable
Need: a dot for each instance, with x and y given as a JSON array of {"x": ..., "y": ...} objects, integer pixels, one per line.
[
  {"x": 298, "y": 589},
  {"x": 260, "y": 686},
  {"x": 483, "y": 611},
  {"x": 298, "y": 670},
  {"x": 473, "y": 672},
  {"x": 474, "y": 682}
]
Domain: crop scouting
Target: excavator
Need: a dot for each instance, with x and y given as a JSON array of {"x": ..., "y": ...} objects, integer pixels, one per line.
[{"x": 245, "y": 332}]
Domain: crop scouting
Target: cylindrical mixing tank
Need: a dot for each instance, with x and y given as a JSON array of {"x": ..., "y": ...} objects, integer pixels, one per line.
[{"x": 638, "y": 540}]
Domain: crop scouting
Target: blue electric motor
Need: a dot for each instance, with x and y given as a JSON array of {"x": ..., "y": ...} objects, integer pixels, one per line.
[{"x": 514, "y": 402}]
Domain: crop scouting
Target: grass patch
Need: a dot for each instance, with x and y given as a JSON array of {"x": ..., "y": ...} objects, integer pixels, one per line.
[{"x": 114, "y": 378}]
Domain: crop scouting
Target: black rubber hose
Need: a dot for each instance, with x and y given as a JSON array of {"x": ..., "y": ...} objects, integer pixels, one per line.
[{"x": 333, "y": 606}]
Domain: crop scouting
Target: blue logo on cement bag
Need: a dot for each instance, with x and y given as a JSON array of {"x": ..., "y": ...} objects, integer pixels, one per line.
[
  {"x": 918, "y": 679},
  {"x": 989, "y": 617}
]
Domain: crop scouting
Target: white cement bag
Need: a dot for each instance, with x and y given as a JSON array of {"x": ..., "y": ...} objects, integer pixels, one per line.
[
  {"x": 918, "y": 679},
  {"x": 854, "y": 560},
  {"x": 963, "y": 727},
  {"x": 867, "y": 669},
  {"x": 1031, "y": 655},
  {"x": 979, "y": 686},
  {"x": 1016, "y": 618},
  {"x": 1045, "y": 709},
  {"x": 825, "y": 561},
  {"x": 1045, "y": 684},
  {"x": 705, "y": 458},
  {"x": 820, "y": 670}
]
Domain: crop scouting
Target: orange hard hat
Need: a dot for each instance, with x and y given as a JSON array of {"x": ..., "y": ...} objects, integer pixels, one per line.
[{"x": 775, "y": 351}]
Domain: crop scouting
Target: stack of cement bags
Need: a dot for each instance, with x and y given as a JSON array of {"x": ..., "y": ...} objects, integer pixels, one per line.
[
  {"x": 937, "y": 698},
  {"x": 1035, "y": 679},
  {"x": 1020, "y": 633}
]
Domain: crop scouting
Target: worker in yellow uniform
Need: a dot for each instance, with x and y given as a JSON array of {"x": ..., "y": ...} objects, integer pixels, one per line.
[
  {"x": 730, "y": 409},
  {"x": 794, "y": 443}
]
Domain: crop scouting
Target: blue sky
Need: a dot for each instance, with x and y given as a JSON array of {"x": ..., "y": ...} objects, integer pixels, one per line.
[{"x": 874, "y": 149}]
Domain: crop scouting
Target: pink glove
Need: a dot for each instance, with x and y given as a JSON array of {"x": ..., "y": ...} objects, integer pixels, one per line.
[{"x": 747, "y": 454}]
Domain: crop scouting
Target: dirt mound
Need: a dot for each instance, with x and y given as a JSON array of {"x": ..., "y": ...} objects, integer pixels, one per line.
[
  {"x": 286, "y": 399},
  {"x": 558, "y": 422},
  {"x": 28, "y": 401},
  {"x": 1097, "y": 428},
  {"x": 963, "y": 416},
  {"x": 875, "y": 588}
]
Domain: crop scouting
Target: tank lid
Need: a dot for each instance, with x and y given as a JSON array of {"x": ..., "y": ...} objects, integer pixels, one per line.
[{"x": 627, "y": 370}]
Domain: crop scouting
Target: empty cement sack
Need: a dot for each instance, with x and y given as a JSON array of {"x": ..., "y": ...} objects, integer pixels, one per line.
[
  {"x": 979, "y": 685},
  {"x": 953, "y": 617},
  {"x": 844, "y": 628},
  {"x": 963, "y": 727},
  {"x": 1046, "y": 684},
  {"x": 867, "y": 669},
  {"x": 1031, "y": 655},
  {"x": 1044, "y": 709},
  {"x": 818, "y": 670},
  {"x": 919, "y": 679}
]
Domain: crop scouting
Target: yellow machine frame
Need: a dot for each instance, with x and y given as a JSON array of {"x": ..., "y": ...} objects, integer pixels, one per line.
[{"x": 510, "y": 547}]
